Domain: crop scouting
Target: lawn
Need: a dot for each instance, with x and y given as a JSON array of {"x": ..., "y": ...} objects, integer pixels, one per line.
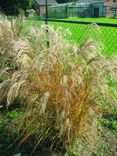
[
  {"x": 107, "y": 36},
  {"x": 101, "y": 20}
]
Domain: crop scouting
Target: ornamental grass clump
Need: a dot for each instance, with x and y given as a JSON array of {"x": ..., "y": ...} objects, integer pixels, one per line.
[
  {"x": 62, "y": 87},
  {"x": 15, "y": 50}
]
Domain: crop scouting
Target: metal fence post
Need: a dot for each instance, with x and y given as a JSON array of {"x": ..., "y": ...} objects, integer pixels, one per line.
[{"x": 46, "y": 23}]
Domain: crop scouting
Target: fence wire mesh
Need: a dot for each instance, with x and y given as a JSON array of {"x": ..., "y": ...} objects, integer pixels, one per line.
[{"x": 104, "y": 33}]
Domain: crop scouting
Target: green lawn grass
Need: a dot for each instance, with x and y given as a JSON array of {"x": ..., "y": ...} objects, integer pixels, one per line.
[
  {"x": 105, "y": 35},
  {"x": 101, "y": 20}
]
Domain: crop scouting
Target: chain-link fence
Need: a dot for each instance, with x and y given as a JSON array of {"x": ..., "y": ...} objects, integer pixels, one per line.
[{"x": 103, "y": 33}]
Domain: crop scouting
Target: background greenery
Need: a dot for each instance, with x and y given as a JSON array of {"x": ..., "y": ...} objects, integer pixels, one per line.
[{"x": 11, "y": 7}]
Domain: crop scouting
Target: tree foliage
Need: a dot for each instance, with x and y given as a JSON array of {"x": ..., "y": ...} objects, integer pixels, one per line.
[{"x": 12, "y": 7}]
